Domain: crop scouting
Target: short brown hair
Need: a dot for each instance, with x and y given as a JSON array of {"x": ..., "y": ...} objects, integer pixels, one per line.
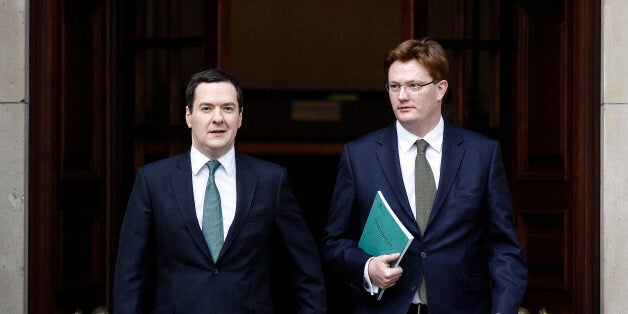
[{"x": 426, "y": 51}]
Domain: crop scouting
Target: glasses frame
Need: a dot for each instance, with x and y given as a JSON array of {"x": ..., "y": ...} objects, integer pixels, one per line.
[{"x": 415, "y": 87}]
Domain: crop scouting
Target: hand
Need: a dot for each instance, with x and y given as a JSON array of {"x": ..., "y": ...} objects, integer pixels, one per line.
[{"x": 380, "y": 272}]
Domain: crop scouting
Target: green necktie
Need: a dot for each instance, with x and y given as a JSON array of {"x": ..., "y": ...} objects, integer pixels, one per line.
[
  {"x": 425, "y": 188},
  {"x": 424, "y": 194},
  {"x": 212, "y": 213}
]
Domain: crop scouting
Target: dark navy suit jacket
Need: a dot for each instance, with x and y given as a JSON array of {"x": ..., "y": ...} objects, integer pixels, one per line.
[
  {"x": 164, "y": 264},
  {"x": 470, "y": 253}
]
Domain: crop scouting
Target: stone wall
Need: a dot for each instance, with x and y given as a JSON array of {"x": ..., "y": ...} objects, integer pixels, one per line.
[
  {"x": 614, "y": 145},
  {"x": 13, "y": 155}
]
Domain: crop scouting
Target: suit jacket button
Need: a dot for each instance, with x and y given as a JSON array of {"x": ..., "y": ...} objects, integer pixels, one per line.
[
  {"x": 215, "y": 271},
  {"x": 423, "y": 255},
  {"x": 413, "y": 289}
]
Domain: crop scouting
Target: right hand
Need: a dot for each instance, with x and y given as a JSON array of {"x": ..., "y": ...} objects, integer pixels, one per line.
[{"x": 380, "y": 272}]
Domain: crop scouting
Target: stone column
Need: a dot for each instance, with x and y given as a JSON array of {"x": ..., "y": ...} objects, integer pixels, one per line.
[
  {"x": 614, "y": 146},
  {"x": 13, "y": 155}
]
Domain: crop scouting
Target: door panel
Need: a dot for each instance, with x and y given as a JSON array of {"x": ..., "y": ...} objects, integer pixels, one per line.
[
  {"x": 68, "y": 169},
  {"x": 554, "y": 152}
]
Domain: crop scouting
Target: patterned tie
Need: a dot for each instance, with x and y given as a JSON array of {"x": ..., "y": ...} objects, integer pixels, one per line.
[
  {"x": 212, "y": 213},
  {"x": 425, "y": 188},
  {"x": 424, "y": 193}
]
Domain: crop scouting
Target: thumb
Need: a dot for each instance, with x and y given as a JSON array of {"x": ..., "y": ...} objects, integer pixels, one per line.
[{"x": 391, "y": 257}]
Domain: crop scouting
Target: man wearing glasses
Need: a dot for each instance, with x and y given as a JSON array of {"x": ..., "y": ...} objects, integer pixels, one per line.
[{"x": 448, "y": 187}]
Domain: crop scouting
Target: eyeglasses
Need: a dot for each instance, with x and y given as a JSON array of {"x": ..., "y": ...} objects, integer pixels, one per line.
[{"x": 396, "y": 87}]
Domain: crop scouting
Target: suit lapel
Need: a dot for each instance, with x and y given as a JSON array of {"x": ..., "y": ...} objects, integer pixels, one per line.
[
  {"x": 182, "y": 186},
  {"x": 246, "y": 182},
  {"x": 388, "y": 157},
  {"x": 452, "y": 154}
]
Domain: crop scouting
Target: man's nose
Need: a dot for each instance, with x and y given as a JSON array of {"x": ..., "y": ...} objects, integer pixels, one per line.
[
  {"x": 217, "y": 116},
  {"x": 403, "y": 93}
]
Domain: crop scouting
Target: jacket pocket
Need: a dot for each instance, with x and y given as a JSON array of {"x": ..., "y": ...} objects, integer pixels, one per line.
[{"x": 470, "y": 192}]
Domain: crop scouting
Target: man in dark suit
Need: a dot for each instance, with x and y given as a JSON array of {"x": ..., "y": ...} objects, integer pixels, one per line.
[
  {"x": 197, "y": 230},
  {"x": 448, "y": 187}
]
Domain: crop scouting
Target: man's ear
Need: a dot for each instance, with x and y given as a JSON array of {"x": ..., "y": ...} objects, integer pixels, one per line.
[
  {"x": 241, "y": 111},
  {"x": 187, "y": 117},
  {"x": 442, "y": 89}
]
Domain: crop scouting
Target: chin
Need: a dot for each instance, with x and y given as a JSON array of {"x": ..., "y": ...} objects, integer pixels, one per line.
[
  {"x": 407, "y": 119},
  {"x": 216, "y": 148}
]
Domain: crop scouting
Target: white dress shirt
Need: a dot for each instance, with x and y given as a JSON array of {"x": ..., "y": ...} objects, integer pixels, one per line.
[
  {"x": 225, "y": 178},
  {"x": 407, "y": 155}
]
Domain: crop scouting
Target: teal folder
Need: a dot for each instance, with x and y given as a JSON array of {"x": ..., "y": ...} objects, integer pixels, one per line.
[{"x": 384, "y": 233}]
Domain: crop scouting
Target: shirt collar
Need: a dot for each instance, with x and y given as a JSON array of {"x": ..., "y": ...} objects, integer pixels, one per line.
[
  {"x": 434, "y": 138},
  {"x": 199, "y": 160}
]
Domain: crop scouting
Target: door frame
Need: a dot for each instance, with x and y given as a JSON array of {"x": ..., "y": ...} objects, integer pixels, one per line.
[{"x": 44, "y": 273}]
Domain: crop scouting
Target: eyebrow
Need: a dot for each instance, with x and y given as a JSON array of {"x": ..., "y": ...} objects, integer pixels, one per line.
[
  {"x": 210, "y": 104},
  {"x": 408, "y": 82}
]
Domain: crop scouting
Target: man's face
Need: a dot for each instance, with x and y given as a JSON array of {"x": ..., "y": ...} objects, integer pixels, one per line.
[
  {"x": 214, "y": 118},
  {"x": 417, "y": 111}
]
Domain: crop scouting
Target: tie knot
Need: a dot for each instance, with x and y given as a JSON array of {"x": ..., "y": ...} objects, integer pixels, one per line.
[
  {"x": 421, "y": 145},
  {"x": 213, "y": 165}
]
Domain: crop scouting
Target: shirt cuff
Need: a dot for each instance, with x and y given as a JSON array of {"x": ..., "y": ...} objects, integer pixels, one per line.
[{"x": 368, "y": 286}]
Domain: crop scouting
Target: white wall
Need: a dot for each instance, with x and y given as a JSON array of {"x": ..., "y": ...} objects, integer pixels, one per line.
[
  {"x": 13, "y": 155},
  {"x": 614, "y": 196}
]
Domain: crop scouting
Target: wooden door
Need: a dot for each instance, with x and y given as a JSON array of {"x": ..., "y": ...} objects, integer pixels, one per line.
[
  {"x": 527, "y": 73},
  {"x": 105, "y": 85},
  {"x": 555, "y": 151},
  {"x": 72, "y": 164}
]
